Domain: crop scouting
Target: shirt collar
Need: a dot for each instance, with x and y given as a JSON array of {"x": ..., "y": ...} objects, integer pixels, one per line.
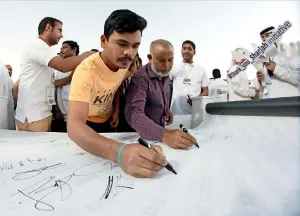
[{"x": 192, "y": 64}]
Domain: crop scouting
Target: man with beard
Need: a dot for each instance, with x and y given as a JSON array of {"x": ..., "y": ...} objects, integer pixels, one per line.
[
  {"x": 149, "y": 95},
  {"x": 36, "y": 83}
]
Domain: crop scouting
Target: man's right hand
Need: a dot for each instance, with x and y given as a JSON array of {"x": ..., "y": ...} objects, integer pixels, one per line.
[
  {"x": 139, "y": 161},
  {"x": 178, "y": 139}
]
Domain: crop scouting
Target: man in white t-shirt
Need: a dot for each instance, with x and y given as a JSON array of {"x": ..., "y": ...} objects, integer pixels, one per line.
[
  {"x": 6, "y": 91},
  {"x": 189, "y": 80},
  {"x": 62, "y": 85},
  {"x": 36, "y": 82},
  {"x": 218, "y": 88}
]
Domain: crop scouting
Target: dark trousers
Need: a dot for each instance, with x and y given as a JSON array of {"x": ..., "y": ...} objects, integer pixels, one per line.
[
  {"x": 123, "y": 124},
  {"x": 101, "y": 127},
  {"x": 59, "y": 126}
]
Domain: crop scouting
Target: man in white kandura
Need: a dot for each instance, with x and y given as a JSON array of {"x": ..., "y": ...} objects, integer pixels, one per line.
[
  {"x": 238, "y": 85},
  {"x": 281, "y": 73}
]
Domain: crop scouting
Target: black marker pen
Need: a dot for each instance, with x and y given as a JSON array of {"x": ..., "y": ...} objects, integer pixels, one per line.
[
  {"x": 147, "y": 145},
  {"x": 186, "y": 131}
]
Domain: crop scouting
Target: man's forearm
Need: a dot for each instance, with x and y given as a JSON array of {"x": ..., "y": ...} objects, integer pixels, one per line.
[
  {"x": 143, "y": 125},
  {"x": 62, "y": 82},
  {"x": 90, "y": 141},
  {"x": 65, "y": 65},
  {"x": 204, "y": 91}
]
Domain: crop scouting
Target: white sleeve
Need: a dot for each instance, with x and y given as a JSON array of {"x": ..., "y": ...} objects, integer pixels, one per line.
[
  {"x": 239, "y": 90},
  {"x": 40, "y": 53},
  {"x": 173, "y": 73},
  {"x": 58, "y": 75},
  {"x": 4, "y": 81},
  {"x": 256, "y": 84},
  {"x": 204, "y": 82},
  {"x": 287, "y": 74}
]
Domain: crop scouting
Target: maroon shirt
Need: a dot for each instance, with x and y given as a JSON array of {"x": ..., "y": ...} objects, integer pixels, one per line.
[{"x": 148, "y": 102}]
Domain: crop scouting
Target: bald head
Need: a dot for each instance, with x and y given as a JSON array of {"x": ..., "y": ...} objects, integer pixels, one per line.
[
  {"x": 161, "y": 56},
  {"x": 9, "y": 68},
  {"x": 160, "y": 44}
]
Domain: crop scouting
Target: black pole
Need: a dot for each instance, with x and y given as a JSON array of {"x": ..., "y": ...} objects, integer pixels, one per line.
[{"x": 284, "y": 106}]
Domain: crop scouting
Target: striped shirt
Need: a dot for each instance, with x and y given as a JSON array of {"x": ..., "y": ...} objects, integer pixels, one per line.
[{"x": 148, "y": 102}]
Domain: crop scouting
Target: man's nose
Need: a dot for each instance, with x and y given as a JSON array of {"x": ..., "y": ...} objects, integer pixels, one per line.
[{"x": 129, "y": 51}]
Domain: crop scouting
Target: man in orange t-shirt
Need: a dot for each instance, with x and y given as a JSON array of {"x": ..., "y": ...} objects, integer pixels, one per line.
[{"x": 94, "y": 85}]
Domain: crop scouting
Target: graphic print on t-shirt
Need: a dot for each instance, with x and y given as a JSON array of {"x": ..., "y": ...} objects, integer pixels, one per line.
[{"x": 103, "y": 101}]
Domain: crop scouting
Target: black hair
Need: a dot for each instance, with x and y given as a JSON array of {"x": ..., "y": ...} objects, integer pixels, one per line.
[
  {"x": 73, "y": 45},
  {"x": 47, "y": 20},
  {"x": 123, "y": 21},
  {"x": 189, "y": 42},
  {"x": 95, "y": 50},
  {"x": 140, "y": 61},
  {"x": 266, "y": 30},
  {"x": 216, "y": 73}
]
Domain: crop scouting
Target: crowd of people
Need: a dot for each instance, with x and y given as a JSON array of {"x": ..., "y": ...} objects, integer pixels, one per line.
[{"x": 113, "y": 91}]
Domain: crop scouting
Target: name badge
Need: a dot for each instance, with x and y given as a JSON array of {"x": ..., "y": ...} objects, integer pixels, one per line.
[{"x": 51, "y": 96}]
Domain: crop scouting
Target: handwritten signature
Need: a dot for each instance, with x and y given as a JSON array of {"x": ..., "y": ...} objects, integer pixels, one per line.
[{"x": 50, "y": 186}]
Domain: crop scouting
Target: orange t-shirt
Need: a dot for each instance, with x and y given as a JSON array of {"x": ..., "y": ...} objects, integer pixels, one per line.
[{"x": 94, "y": 83}]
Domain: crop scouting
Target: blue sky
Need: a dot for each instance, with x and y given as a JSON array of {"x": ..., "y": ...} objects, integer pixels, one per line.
[{"x": 216, "y": 27}]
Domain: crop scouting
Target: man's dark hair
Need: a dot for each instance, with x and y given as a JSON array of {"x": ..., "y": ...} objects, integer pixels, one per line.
[
  {"x": 94, "y": 50},
  {"x": 216, "y": 73},
  {"x": 189, "y": 42},
  {"x": 266, "y": 30},
  {"x": 47, "y": 20},
  {"x": 123, "y": 21},
  {"x": 140, "y": 61},
  {"x": 73, "y": 45}
]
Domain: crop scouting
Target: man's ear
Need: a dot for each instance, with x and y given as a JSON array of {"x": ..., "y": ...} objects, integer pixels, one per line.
[
  {"x": 48, "y": 27},
  {"x": 103, "y": 41},
  {"x": 149, "y": 56}
]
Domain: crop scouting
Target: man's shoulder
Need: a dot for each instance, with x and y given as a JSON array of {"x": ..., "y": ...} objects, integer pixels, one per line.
[
  {"x": 141, "y": 76},
  {"x": 91, "y": 63},
  {"x": 36, "y": 44},
  {"x": 141, "y": 73}
]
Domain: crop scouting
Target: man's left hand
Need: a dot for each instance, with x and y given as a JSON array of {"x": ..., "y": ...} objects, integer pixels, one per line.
[{"x": 169, "y": 118}]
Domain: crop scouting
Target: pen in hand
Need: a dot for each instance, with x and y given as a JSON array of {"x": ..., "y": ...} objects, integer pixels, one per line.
[
  {"x": 186, "y": 131},
  {"x": 147, "y": 145}
]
